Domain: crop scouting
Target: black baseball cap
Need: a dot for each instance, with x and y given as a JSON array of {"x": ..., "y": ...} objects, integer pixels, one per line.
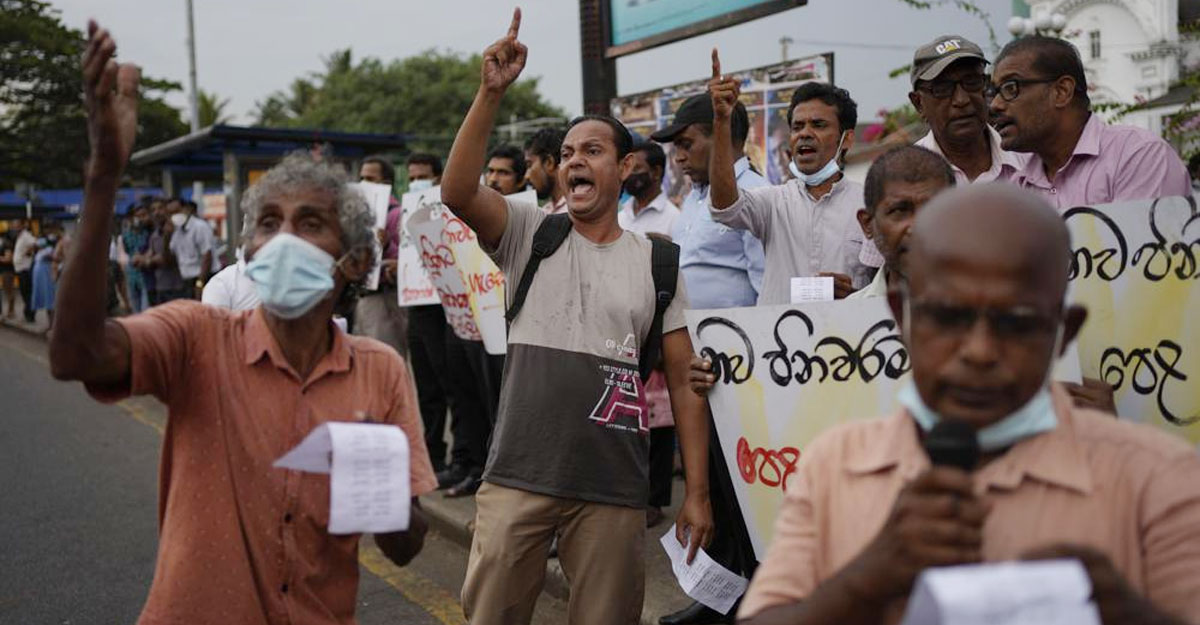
[{"x": 698, "y": 110}]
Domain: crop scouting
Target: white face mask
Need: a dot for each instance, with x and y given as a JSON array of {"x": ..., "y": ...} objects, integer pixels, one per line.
[
  {"x": 831, "y": 169},
  {"x": 420, "y": 185},
  {"x": 291, "y": 275}
]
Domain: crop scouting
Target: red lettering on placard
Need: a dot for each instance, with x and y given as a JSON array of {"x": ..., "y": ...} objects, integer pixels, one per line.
[
  {"x": 769, "y": 466},
  {"x": 485, "y": 282},
  {"x": 435, "y": 257},
  {"x": 457, "y": 231}
]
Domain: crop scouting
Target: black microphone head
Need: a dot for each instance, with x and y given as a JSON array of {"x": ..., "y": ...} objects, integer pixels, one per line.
[{"x": 953, "y": 443}]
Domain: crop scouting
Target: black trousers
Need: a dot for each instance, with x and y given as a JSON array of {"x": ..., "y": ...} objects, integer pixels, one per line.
[
  {"x": 426, "y": 332},
  {"x": 731, "y": 544},
  {"x": 26, "y": 288},
  {"x": 662, "y": 465},
  {"x": 465, "y": 381}
]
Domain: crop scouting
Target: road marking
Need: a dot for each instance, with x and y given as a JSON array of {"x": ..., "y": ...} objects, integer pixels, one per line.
[{"x": 418, "y": 589}]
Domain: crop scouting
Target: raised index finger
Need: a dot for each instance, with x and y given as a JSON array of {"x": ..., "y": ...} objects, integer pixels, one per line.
[
  {"x": 516, "y": 23},
  {"x": 716, "y": 64}
]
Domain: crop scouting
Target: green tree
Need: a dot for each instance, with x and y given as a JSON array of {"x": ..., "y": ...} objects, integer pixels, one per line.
[
  {"x": 424, "y": 95},
  {"x": 212, "y": 108},
  {"x": 43, "y": 138}
]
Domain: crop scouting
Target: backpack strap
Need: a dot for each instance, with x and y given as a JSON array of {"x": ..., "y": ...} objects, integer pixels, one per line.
[
  {"x": 546, "y": 240},
  {"x": 664, "y": 269}
]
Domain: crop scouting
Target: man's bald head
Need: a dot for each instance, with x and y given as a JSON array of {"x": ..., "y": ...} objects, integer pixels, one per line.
[
  {"x": 995, "y": 228},
  {"x": 983, "y": 316}
]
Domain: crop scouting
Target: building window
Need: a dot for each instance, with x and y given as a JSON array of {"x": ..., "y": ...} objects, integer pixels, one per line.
[{"x": 1094, "y": 42}]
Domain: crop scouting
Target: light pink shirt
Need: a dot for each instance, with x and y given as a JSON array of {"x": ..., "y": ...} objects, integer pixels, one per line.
[
  {"x": 1125, "y": 489},
  {"x": 1109, "y": 164},
  {"x": 1004, "y": 164}
]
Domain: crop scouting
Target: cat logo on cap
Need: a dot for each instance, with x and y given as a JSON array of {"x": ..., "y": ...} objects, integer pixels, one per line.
[{"x": 949, "y": 45}]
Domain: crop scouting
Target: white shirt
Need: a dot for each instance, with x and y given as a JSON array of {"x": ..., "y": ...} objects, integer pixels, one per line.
[
  {"x": 231, "y": 289},
  {"x": 22, "y": 259},
  {"x": 877, "y": 288},
  {"x": 801, "y": 235},
  {"x": 658, "y": 216},
  {"x": 188, "y": 244},
  {"x": 1004, "y": 164}
]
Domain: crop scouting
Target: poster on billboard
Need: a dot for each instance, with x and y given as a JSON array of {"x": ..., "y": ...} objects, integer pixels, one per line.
[
  {"x": 641, "y": 24},
  {"x": 766, "y": 92}
]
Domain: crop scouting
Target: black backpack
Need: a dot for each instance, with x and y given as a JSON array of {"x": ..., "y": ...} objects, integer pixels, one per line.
[{"x": 664, "y": 269}]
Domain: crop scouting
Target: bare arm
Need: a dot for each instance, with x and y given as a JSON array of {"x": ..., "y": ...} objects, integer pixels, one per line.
[
  {"x": 720, "y": 162},
  {"x": 691, "y": 422},
  {"x": 402, "y": 547},
  {"x": 482, "y": 208},
  {"x": 84, "y": 346}
]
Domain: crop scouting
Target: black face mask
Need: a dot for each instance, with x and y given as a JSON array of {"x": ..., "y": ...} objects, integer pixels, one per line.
[{"x": 637, "y": 184}]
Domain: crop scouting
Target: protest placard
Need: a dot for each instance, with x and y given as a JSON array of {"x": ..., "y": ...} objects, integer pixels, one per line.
[
  {"x": 413, "y": 287},
  {"x": 1136, "y": 267},
  {"x": 470, "y": 286},
  {"x": 378, "y": 197},
  {"x": 784, "y": 374}
]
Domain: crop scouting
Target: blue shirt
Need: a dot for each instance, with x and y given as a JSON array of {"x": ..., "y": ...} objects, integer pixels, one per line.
[{"x": 722, "y": 267}]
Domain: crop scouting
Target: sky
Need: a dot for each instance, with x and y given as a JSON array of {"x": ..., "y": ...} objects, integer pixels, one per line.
[{"x": 247, "y": 49}]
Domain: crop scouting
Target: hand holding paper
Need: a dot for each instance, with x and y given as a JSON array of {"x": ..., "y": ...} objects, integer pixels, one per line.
[{"x": 704, "y": 579}]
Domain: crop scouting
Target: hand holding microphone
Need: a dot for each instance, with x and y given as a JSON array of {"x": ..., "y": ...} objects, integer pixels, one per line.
[{"x": 936, "y": 521}]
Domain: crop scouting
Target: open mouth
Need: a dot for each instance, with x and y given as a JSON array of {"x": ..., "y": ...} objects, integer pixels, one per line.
[
  {"x": 580, "y": 187},
  {"x": 805, "y": 150}
]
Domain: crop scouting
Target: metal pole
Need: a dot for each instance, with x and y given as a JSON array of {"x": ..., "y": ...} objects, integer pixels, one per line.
[
  {"x": 197, "y": 185},
  {"x": 599, "y": 72}
]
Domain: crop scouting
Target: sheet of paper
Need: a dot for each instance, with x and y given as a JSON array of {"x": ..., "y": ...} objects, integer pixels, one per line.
[
  {"x": 378, "y": 197},
  {"x": 1046, "y": 592},
  {"x": 368, "y": 467},
  {"x": 812, "y": 289},
  {"x": 704, "y": 579}
]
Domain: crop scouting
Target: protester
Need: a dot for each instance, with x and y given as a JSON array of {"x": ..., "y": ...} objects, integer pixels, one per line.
[
  {"x": 1040, "y": 104},
  {"x": 983, "y": 320},
  {"x": 136, "y": 241},
  {"x": 168, "y": 284},
  {"x": 805, "y": 224},
  {"x": 542, "y": 154},
  {"x": 427, "y": 331},
  {"x": 722, "y": 268},
  {"x": 191, "y": 244},
  {"x": 242, "y": 542},
  {"x": 648, "y": 208},
  {"x": 8, "y": 275},
  {"x": 948, "y": 82},
  {"x": 24, "y": 248},
  {"x": 563, "y": 462},
  {"x": 378, "y": 313},
  {"x": 231, "y": 288},
  {"x": 505, "y": 169}
]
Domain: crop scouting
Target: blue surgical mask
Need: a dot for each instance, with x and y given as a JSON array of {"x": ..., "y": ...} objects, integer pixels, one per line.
[
  {"x": 831, "y": 169},
  {"x": 1033, "y": 418},
  {"x": 420, "y": 185},
  {"x": 291, "y": 275}
]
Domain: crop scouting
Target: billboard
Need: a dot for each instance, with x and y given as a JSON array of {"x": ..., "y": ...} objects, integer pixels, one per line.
[
  {"x": 766, "y": 92},
  {"x": 641, "y": 24}
]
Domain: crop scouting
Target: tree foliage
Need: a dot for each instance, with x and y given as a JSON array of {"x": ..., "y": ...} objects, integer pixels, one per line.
[
  {"x": 43, "y": 138},
  {"x": 211, "y": 109},
  {"x": 425, "y": 95}
]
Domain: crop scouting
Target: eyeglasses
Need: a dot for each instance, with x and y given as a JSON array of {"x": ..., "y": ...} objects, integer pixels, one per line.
[
  {"x": 1019, "y": 323},
  {"x": 1010, "y": 89},
  {"x": 942, "y": 89}
]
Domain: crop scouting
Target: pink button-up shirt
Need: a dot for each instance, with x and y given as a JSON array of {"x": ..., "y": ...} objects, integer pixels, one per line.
[
  {"x": 1125, "y": 489},
  {"x": 1109, "y": 164}
]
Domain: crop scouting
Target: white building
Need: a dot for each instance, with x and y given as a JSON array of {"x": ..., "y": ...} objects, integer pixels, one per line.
[{"x": 1133, "y": 50}]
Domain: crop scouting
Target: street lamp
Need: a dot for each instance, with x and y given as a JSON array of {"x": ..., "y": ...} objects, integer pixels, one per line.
[{"x": 1045, "y": 24}]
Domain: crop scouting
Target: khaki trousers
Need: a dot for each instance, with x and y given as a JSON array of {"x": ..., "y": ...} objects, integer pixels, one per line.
[{"x": 601, "y": 549}]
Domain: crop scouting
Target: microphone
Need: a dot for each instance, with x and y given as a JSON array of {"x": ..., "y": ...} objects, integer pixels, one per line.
[{"x": 954, "y": 444}]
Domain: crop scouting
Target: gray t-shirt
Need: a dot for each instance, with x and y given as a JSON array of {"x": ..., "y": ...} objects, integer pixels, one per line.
[{"x": 573, "y": 420}]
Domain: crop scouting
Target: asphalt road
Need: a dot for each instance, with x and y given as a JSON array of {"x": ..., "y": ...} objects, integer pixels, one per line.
[{"x": 78, "y": 489}]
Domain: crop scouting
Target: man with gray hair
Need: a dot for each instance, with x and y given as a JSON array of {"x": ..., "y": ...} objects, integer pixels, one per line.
[{"x": 242, "y": 541}]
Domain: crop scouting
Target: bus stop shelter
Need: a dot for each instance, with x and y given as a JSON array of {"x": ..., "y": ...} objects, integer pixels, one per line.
[{"x": 227, "y": 159}]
